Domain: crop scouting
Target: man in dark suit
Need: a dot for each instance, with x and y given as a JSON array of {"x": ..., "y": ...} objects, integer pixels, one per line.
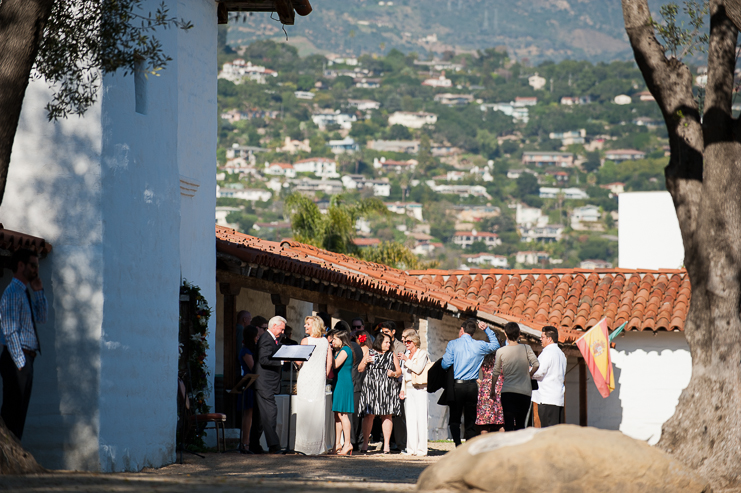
[{"x": 268, "y": 384}]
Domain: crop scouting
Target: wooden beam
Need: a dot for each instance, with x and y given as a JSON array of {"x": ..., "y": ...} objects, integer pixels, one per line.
[{"x": 582, "y": 392}]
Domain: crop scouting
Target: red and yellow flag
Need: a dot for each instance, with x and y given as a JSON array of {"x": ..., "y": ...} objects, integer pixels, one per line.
[{"x": 595, "y": 348}]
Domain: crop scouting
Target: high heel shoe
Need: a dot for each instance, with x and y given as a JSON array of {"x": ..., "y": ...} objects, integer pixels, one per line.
[{"x": 349, "y": 452}]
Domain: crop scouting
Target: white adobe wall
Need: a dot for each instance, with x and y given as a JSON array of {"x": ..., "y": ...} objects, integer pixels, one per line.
[
  {"x": 196, "y": 151},
  {"x": 650, "y": 374},
  {"x": 54, "y": 191},
  {"x": 105, "y": 191},
  {"x": 648, "y": 232}
]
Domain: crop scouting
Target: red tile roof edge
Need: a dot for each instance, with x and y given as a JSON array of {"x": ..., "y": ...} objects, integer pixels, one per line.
[{"x": 14, "y": 240}]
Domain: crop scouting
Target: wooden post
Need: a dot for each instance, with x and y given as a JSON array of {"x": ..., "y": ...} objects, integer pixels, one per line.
[
  {"x": 582, "y": 392},
  {"x": 230, "y": 293},
  {"x": 281, "y": 304}
]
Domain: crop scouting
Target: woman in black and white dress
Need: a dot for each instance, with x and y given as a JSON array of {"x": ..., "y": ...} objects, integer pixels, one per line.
[{"x": 381, "y": 388}]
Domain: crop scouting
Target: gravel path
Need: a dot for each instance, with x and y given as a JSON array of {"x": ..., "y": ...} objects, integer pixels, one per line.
[{"x": 233, "y": 472}]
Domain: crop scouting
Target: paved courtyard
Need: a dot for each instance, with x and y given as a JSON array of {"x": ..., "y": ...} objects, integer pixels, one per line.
[{"x": 233, "y": 472}]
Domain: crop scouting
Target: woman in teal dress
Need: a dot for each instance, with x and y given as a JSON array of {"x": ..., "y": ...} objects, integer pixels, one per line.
[{"x": 342, "y": 399}]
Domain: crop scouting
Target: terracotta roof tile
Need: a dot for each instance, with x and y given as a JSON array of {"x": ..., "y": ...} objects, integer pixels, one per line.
[
  {"x": 13, "y": 240},
  {"x": 574, "y": 300}
]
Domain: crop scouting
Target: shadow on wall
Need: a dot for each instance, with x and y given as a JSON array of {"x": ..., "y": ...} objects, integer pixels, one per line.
[{"x": 53, "y": 192}]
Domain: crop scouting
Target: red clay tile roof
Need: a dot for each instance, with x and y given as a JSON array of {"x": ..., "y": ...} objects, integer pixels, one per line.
[
  {"x": 299, "y": 260},
  {"x": 13, "y": 240},
  {"x": 570, "y": 299},
  {"x": 365, "y": 242},
  {"x": 573, "y": 300}
]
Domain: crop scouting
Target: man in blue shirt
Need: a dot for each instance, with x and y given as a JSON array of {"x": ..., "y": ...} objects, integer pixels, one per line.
[{"x": 465, "y": 355}]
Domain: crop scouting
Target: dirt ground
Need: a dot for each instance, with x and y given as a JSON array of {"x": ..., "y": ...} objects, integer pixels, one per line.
[{"x": 232, "y": 472}]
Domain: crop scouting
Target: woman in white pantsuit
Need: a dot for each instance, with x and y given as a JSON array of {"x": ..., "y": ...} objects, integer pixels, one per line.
[{"x": 414, "y": 394}]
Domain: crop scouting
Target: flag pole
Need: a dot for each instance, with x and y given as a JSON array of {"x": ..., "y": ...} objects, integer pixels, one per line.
[{"x": 617, "y": 331}]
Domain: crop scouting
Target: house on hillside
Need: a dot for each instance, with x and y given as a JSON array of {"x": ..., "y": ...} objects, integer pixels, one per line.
[
  {"x": 364, "y": 104},
  {"x": 311, "y": 186},
  {"x": 532, "y": 258},
  {"x": 448, "y": 99},
  {"x": 571, "y": 193},
  {"x": 460, "y": 190},
  {"x": 465, "y": 239},
  {"x": 518, "y": 113},
  {"x": 412, "y": 209},
  {"x": 546, "y": 233},
  {"x": 292, "y": 146},
  {"x": 615, "y": 188},
  {"x": 440, "y": 81},
  {"x": 571, "y": 137},
  {"x": 320, "y": 166},
  {"x": 529, "y": 216},
  {"x": 575, "y": 100},
  {"x": 547, "y": 158},
  {"x": 324, "y": 119},
  {"x": 390, "y": 165},
  {"x": 403, "y": 146},
  {"x": 279, "y": 169},
  {"x": 592, "y": 264},
  {"x": 237, "y": 191},
  {"x": 412, "y": 119},
  {"x": 380, "y": 187},
  {"x": 366, "y": 242},
  {"x": 344, "y": 146},
  {"x": 617, "y": 156},
  {"x": 488, "y": 259}
]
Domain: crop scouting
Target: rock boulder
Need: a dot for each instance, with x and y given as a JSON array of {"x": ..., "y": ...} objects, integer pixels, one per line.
[
  {"x": 14, "y": 459},
  {"x": 562, "y": 459}
]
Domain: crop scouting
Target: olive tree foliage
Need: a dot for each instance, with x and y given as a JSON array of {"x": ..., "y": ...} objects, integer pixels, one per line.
[
  {"x": 72, "y": 44},
  {"x": 704, "y": 179}
]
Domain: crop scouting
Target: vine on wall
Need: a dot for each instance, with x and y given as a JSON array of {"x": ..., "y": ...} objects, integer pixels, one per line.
[{"x": 194, "y": 317}]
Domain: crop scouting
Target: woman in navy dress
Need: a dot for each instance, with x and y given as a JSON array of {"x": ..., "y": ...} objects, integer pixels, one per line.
[{"x": 247, "y": 362}]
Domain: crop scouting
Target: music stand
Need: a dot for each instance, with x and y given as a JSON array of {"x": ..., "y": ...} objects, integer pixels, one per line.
[{"x": 292, "y": 353}]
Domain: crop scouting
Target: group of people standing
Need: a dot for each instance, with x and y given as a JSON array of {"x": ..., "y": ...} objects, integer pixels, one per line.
[
  {"x": 492, "y": 383},
  {"x": 370, "y": 376}
]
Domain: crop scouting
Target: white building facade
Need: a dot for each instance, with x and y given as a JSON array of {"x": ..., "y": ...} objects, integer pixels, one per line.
[{"x": 125, "y": 195}]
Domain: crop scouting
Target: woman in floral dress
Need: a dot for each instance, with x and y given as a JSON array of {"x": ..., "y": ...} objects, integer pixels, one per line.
[{"x": 489, "y": 415}]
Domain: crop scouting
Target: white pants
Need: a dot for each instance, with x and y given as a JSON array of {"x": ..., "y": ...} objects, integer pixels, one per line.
[{"x": 415, "y": 406}]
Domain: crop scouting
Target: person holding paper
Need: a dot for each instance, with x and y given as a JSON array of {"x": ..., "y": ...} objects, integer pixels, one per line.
[
  {"x": 310, "y": 391},
  {"x": 268, "y": 385}
]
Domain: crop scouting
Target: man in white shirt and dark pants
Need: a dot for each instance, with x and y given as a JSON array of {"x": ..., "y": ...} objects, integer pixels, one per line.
[{"x": 550, "y": 377}]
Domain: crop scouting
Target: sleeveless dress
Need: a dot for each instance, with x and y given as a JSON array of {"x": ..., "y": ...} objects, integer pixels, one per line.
[
  {"x": 488, "y": 410},
  {"x": 380, "y": 394},
  {"x": 311, "y": 400},
  {"x": 342, "y": 399},
  {"x": 248, "y": 396}
]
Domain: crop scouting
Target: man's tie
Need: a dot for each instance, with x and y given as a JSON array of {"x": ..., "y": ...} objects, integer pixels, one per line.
[{"x": 33, "y": 319}]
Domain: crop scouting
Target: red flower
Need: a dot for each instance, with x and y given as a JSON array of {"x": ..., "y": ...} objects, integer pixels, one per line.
[{"x": 362, "y": 339}]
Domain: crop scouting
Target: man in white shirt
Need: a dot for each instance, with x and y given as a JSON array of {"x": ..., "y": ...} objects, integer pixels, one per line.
[{"x": 550, "y": 377}]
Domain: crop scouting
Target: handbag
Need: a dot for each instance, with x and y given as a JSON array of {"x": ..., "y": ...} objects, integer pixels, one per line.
[{"x": 421, "y": 378}]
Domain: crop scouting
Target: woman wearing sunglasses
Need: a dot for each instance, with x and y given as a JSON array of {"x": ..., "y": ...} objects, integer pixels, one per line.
[{"x": 414, "y": 392}]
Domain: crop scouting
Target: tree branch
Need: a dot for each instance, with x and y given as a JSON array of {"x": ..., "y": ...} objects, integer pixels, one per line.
[
  {"x": 21, "y": 28},
  {"x": 670, "y": 83},
  {"x": 721, "y": 64}
]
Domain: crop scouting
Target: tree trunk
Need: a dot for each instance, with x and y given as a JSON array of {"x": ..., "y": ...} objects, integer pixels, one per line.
[
  {"x": 21, "y": 30},
  {"x": 704, "y": 179},
  {"x": 13, "y": 458}
]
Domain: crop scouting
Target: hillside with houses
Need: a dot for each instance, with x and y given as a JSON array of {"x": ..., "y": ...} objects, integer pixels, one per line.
[{"x": 481, "y": 161}]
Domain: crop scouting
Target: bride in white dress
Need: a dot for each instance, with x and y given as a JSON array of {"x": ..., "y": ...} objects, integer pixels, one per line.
[{"x": 310, "y": 391}]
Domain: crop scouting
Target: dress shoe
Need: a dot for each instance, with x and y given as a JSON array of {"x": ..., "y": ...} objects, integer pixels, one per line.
[
  {"x": 257, "y": 451},
  {"x": 275, "y": 449}
]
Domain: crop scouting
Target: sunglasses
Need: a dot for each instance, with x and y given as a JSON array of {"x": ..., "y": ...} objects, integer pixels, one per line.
[{"x": 407, "y": 342}]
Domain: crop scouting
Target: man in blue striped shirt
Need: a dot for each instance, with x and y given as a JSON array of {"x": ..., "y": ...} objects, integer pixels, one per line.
[
  {"x": 466, "y": 355},
  {"x": 20, "y": 310}
]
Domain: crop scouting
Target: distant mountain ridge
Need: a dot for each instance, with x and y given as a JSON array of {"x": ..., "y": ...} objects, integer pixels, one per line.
[{"x": 535, "y": 29}]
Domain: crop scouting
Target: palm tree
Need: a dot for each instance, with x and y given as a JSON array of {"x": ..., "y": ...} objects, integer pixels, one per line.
[{"x": 335, "y": 230}]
